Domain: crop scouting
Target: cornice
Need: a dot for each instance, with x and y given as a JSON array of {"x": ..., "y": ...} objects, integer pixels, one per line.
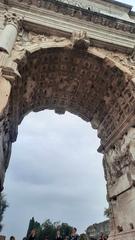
[
  {"x": 51, "y": 21},
  {"x": 84, "y": 14}
]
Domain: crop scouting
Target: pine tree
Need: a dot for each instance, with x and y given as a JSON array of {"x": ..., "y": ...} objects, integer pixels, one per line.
[{"x": 31, "y": 226}]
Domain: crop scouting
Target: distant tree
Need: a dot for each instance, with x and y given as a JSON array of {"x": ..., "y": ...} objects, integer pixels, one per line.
[
  {"x": 33, "y": 225},
  {"x": 83, "y": 236},
  {"x": 3, "y": 206},
  {"x": 48, "y": 229},
  {"x": 65, "y": 229},
  {"x": 107, "y": 212},
  {"x": 56, "y": 224}
]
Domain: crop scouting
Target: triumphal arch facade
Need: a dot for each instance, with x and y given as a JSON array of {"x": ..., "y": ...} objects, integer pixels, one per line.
[{"x": 76, "y": 56}]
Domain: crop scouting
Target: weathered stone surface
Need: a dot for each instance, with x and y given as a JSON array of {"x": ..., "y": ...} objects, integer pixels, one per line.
[
  {"x": 2, "y": 237},
  {"x": 9, "y": 34},
  {"x": 5, "y": 88},
  {"x": 120, "y": 160},
  {"x": 119, "y": 164},
  {"x": 94, "y": 230}
]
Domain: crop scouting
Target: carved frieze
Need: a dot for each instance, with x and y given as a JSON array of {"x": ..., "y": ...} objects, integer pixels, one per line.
[{"x": 89, "y": 13}]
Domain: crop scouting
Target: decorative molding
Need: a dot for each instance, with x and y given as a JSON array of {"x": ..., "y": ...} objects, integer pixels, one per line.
[
  {"x": 89, "y": 14},
  {"x": 44, "y": 21}
]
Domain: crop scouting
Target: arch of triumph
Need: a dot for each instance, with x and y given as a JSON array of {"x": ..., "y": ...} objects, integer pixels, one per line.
[{"x": 76, "y": 56}]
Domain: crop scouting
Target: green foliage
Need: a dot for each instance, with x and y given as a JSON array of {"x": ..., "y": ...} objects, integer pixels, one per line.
[
  {"x": 83, "y": 236},
  {"x": 107, "y": 212},
  {"x": 33, "y": 225},
  {"x": 3, "y": 206},
  {"x": 48, "y": 229},
  {"x": 65, "y": 229}
]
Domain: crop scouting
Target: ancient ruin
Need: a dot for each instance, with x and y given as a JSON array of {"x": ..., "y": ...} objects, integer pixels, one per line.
[
  {"x": 94, "y": 231},
  {"x": 77, "y": 57}
]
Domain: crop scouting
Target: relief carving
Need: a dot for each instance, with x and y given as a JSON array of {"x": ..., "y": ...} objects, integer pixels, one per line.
[
  {"x": 80, "y": 40},
  {"x": 120, "y": 159},
  {"x": 84, "y": 11}
]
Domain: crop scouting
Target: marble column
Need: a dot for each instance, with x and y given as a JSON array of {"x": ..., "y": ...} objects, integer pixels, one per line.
[
  {"x": 9, "y": 33},
  {"x": 7, "y": 40}
]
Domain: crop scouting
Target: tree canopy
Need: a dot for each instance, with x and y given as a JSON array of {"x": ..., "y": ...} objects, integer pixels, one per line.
[
  {"x": 48, "y": 229},
  {"x": 3, "y": 206}
]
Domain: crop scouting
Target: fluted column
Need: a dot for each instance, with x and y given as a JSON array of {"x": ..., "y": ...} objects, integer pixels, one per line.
[
  {"x": 9, "y": 33},
  {"x": 7, "y": 40}
]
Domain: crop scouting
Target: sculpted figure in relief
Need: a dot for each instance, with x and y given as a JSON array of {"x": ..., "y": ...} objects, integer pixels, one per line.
[{"x": 121, "y": 158}]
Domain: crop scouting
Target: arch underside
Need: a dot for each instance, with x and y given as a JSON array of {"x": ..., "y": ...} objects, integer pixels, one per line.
[{"x": 85, "y": 84}]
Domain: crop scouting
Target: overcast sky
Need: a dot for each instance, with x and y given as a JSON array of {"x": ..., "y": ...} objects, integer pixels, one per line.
[
  {"x": 55, "y": 172},
  {"x": 131, "y": 2}
]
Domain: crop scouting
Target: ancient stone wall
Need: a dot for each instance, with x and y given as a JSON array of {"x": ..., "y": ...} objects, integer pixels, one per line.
[{"x": 94, "y": 230}]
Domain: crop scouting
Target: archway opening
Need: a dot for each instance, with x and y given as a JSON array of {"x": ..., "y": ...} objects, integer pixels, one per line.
[
  {"x": 55, "y": 173},
  {"x": 95, "y": 88}
]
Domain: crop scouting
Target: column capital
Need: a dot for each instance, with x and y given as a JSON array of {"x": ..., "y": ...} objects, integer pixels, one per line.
[
  {"x": 12, "y": 19},
  {"x": 8, "y": 35}
]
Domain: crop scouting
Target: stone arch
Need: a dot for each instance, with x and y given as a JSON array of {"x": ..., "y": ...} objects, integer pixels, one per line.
[
  {"x": 68, "y": 75},
  {"x": 94, "y": 87}
]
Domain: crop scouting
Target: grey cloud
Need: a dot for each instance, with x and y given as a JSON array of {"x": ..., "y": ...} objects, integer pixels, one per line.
[{"x": 55, "y": 172}]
